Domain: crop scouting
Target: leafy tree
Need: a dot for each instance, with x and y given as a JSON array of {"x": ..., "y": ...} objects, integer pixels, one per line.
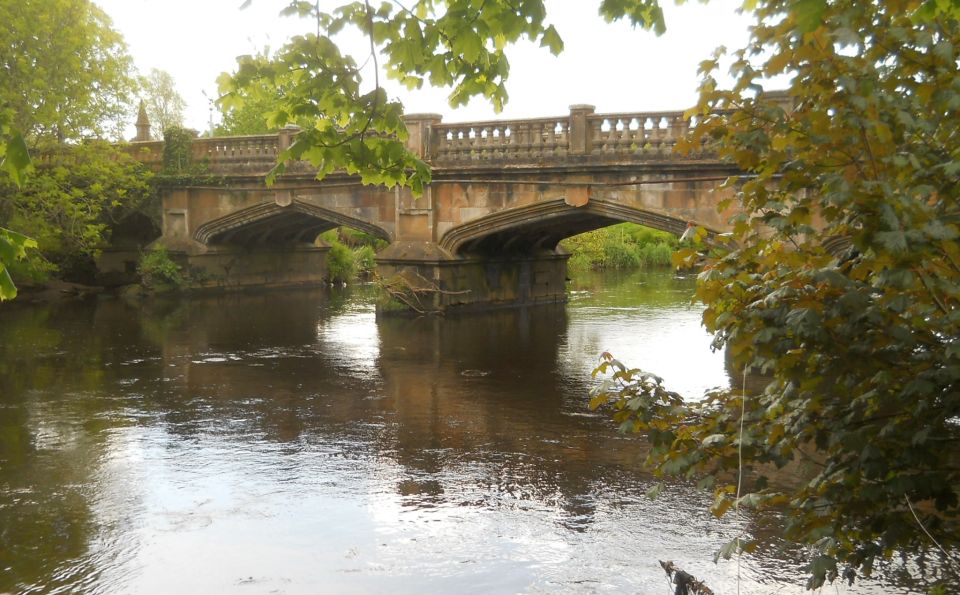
[
  {"x": 861, "y": 344},
  {"x": 253, "y": 104},
  {"x": 68, "y": 205},
  {"x": 163, "y": 102},
  {"x": 63, "y": 70}
]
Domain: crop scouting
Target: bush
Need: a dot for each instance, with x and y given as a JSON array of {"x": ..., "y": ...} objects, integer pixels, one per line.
[
  {"x": 340, "y": 265},
  {"x": 364, "y": 260},
  {"x": 158, "y": 271},
  {"x": 655, "y": 255},
  {"x": 622, "y": 246},
  {"x": 619, "y": 255},
  {"x": 69, "y": 204}
]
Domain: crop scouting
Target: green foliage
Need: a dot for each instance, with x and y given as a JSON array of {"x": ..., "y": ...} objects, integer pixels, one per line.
[
  {"x": 177, "y": 151},
  {"x": 13, "y": 248},
  {"x": 64, "y": 70},
  {"x": 643, "y": 13},
  {"x": 163, "y": 102},
  {"x": 14, "y": 156},
  {"x": 159, "y": 272},
  {"x": 356, "y": 238},
  {"x": 68, "y": 205},
  {"x": 861, "y": 347},
  {"x": 251, "y": 106},
  {"x": 448, "y": 43},
  {"x": 364, "y": 262},
  {"x": 340, "y": 263},
  {"x": 352, "y": 253},
  {"x": 622, "y": 246}
]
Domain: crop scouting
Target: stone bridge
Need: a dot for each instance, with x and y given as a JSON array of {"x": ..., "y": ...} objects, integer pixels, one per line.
[{"x": 485, "y": 232}]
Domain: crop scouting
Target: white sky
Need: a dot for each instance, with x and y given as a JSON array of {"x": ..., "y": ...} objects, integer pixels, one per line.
[{"x": 612, "y": 67}]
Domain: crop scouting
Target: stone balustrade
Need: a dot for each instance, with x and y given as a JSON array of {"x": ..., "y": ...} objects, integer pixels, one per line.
[
  {"x": 230, "y": 152},
  {"x": 505, "y": 140},
  {"x": 580, "y": 136},
  {"x": 639, "y": 135}
]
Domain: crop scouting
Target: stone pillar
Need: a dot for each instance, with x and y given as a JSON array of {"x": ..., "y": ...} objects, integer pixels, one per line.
[
  {"x": 420, "y": 127},
  {"x": 581, "y": 138},
  {"x": 143, "y": 125},
  {"x": 286, "y": 135}
]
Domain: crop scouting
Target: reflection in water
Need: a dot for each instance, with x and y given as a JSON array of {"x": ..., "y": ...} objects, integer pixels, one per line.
[{"x": 290, "y": 442}]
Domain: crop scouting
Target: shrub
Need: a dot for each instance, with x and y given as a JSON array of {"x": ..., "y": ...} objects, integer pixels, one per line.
[
  {"x": 364, "y": 260},
  {"x": 619, "y": 255},
  {"x": 340, "y": 265},
  {"x": 158, "y": 271},
  {"x": 626, "y": 245}
]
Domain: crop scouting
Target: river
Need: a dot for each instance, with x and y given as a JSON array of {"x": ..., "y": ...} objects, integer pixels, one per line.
[{"x": 290, "y": 442}]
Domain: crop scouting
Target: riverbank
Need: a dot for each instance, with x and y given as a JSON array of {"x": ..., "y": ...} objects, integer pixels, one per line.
[{"x": 622, "y": 246}]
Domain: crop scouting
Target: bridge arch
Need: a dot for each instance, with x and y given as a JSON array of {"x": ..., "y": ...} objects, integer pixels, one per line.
[
  {"x": 542, "y": 225},
  {"x": 297, "y": 221}
]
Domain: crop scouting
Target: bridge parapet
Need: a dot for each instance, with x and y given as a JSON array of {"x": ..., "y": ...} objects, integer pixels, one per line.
[
  {"x": 251, "y": 154},
  {"x": 577, "y": 137},
  {"x": 636, "y": 136}
]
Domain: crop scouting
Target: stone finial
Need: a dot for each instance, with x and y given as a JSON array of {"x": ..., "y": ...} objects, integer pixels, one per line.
[{"x": 143, "y": 125}]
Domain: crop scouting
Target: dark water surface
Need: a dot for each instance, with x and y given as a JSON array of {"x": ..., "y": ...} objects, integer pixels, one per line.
[{"x": 288, "y": 442}]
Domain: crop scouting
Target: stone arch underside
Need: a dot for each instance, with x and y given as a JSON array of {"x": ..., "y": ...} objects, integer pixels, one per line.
[
  {"x": 541, "y": 226},
  {"x": 270, "y": 223}
]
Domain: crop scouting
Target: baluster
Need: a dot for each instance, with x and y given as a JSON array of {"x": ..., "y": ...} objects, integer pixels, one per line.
[
  {"x": 666, "y": 145},
  {"x": 464, "y": 149},
  {"x": 606, "y": 132},
  {"x": 483, "y": 143},
  {"x": 443, "y": 145},
  {"x": 536, "y": 140},
  {"x": 550, "y": 139},
  {"x": 509, "y": 140},
  {"x": 564, "y": 140},
  {"x": 636, "y": 135},
  {"x": 500, "y": 141},
  {"x": 623, "y": 136}
]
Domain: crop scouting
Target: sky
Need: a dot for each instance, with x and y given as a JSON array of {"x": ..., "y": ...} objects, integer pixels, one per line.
[{"x": 611, "y": 66}]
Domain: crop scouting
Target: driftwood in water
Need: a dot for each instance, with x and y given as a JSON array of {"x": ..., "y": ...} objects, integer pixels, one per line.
[
  {"x": 416, "y": 294},
  {"x": 686, "y": 583}
]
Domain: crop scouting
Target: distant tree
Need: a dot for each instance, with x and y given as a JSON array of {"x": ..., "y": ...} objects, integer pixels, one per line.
[
  {"x": 64, "y": 71},
  {"x": 163, "y": 102},
  {"x": 251, "y": 107}
]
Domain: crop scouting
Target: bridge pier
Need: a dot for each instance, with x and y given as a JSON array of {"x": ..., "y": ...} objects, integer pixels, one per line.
[
  {"x": 422, "y": 277},
  {"x": 236, "y": 267}
]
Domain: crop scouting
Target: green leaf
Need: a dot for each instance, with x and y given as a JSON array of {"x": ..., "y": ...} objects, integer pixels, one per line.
[
  {"x": 808, "y": 14},
  {"x": 16, "y": 159},
  {"x": 8, "y": 290},
  {"x": 551, "y": 39}
]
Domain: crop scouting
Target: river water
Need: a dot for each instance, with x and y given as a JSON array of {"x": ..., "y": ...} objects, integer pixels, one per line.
[{"x": 290, "y": 442}]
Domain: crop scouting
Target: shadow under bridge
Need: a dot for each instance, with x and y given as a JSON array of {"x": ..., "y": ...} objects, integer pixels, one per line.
[{"x": 272, "y": 224}]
